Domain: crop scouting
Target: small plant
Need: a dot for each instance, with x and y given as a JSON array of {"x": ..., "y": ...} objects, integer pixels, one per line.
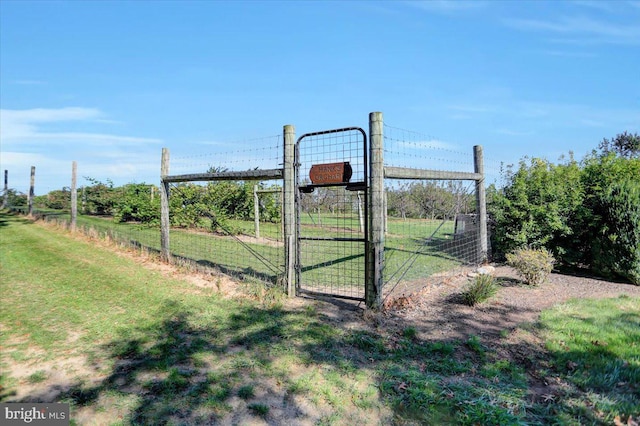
[
  {"x": 246, "y": 392},
  {"x": 534, "y": 266},
  {"x": 480, "y": 289},
  {"x": 476, "y": 346},
  {"x": 260, "y": 409},
  {"x": 410, "y": 333},
  {"x": 37, "y": 377}
]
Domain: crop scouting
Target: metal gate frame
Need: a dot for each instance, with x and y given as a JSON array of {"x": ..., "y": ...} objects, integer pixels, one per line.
[{"x": 351, "y": 186}]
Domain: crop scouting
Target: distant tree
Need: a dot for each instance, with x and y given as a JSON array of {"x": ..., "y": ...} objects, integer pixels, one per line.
[
  {"x": 136, "y": 203},
  {"x": 399, "y": 203},
  {"x": 15, "y": 198},
  {"x": 58, "y": 199},
  {"x": 625, "y": 144},
  {"x": 100, "y": 197}
]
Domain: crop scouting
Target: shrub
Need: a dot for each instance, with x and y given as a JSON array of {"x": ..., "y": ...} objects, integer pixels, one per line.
[
  {"x": 537, "y": 206},
  {"x": 618, "y": 248},
  {"x": 480, "y": 289},
  {"x": 534, "y": 266}
]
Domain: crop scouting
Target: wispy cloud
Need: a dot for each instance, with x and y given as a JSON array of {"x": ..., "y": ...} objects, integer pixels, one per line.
[
  {"x": 27, "y": 139},
  {"x": 448, "y": 6},
  {"x": 580, "y": 29},
  {"x": 431, "y": 144},
  {"x": 568, "y": 54},
  {"x": 25, "y": 125}
]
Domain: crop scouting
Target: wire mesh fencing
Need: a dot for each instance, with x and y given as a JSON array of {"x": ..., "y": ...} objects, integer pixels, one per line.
[
  {"x": 232, "y": 225},
  {"x": 431, "y": 223},
  {"x": 331, "y": 213}
]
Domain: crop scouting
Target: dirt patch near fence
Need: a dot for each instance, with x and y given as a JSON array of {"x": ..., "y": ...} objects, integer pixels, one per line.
[{"x": 436, "y": 312}]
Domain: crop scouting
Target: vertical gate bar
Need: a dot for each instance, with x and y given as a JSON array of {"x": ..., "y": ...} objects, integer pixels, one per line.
[
  {"x": 165, "y": 252},
  {"x": 481, "y": 203},
  {"x": 375, "y": 253},
  {"x": 289, "y": 206}
]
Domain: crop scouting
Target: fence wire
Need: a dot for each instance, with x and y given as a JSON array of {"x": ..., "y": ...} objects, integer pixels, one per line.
[
  {"x": 431, "y": 226},
  {"x": 214, "y": 225}
]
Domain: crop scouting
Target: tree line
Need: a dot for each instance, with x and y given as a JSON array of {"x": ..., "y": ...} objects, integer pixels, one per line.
[{"x": 587, "y": 213}]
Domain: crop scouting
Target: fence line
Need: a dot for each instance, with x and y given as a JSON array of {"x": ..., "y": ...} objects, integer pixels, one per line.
[{"x": 235, "y": 212}]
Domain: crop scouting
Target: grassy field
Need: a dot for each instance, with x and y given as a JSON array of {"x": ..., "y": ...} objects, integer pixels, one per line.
[
  {"x": 412, "y": 249},
  {"x": 124, "y": 344}
]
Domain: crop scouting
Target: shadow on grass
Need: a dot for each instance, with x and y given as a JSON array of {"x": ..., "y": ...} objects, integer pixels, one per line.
[
  {"x": 256, "y": 364},
  {"x": 181, "y": 372}
]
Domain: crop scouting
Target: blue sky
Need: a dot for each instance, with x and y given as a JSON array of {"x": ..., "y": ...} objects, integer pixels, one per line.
[{"x": 109, "y": 83}]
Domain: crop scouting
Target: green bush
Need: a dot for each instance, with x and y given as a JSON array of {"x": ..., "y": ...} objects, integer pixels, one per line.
[
  {"x": 480, "y": 289},
  {"x": 537, "y": 207},
  {"x": 533, "y": 265},
  {"x": 618, "y": 251}
]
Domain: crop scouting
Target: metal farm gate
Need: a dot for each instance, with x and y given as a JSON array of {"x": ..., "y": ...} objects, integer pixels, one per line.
[{"x": 332, "y": 213}]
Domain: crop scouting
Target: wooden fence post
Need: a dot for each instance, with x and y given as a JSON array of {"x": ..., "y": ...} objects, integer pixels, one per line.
[
  {"x": 74, "y": 195},
  {"x": 375, "y": 252},
  {"x": 481, "y": 204},
  {"x": 5, "y": 197},
  {"x": 256, "y": 211},
  {"x": 289, "y": 207},
  {"x": 165, "y": 251},
  {"x": 31, "y": 191}
]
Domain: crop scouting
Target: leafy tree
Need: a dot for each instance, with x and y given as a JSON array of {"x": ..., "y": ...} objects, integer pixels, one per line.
[
  {"x": 608, "y": 182},
  {"x": 625, "y": 145},
  {"x": 100, "y": 198},
  {"x": 137, "y": 202},
  {"x": 537, "y": 207},
  {"x": 587, "y": 214},
  {"x": 618, "y": 242},
  {"x": 58, "y": 199},
  {"x": 399, "y": 204},
  {"x": 15, "y": 198}
]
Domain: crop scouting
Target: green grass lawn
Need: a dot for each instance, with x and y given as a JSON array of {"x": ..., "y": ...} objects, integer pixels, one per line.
[
  {"x": 412, "y": 249},
  {"x": 151, "y": 349}
]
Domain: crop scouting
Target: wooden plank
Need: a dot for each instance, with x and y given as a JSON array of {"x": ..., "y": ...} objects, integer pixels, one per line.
[
  {"x": 407, "y": 173},
  {"x": 267, "y": 174}
]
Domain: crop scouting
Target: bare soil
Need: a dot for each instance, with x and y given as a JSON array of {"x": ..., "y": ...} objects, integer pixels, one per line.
[{"x": 436, "y": 311}]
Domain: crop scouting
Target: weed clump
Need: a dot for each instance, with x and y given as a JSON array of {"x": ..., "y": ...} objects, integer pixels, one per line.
[
  {"x": 259, "y": 409},
  {"x": 533, "y": 265},
  {"x": 480, "y": 289}
]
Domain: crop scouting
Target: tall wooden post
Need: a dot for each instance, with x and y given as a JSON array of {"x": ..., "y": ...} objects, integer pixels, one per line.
[
  {"x": 375, "y": 252},
  {"x": 74, "y": 195},
  {"x": 5, "y": 197},
  {"x": 84, "y": 200},
  {"x": 31, "y": 190},
  {"x": 256, "y": 211},
  {"x": 289, "y": 207},
  {"x": 165, "y": 252},
  {"x": 481, "y": 204}
]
